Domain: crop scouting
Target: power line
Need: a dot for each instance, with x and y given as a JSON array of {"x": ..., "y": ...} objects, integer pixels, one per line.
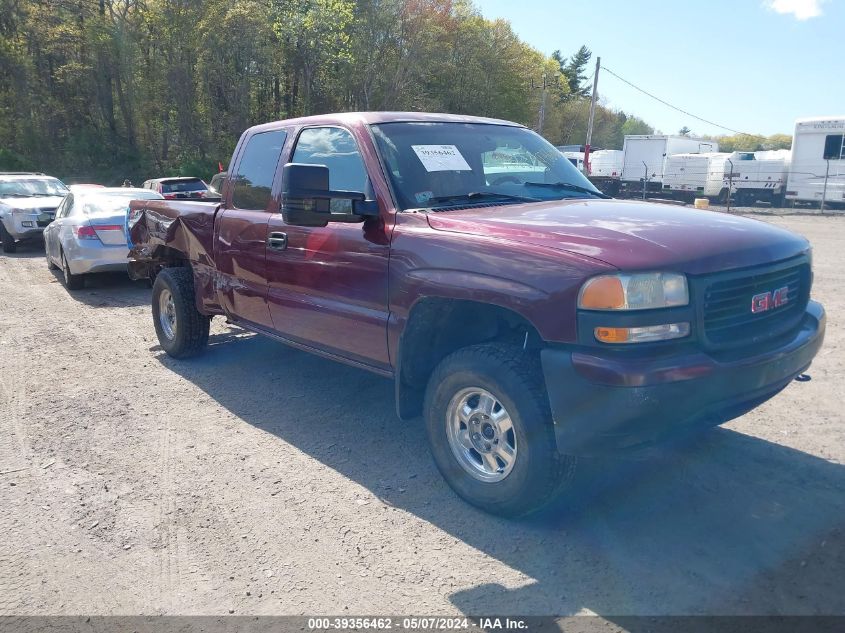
[{"x": 674, "y": 107}]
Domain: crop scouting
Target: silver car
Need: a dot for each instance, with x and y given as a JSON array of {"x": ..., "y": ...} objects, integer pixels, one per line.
[
  {"x": 28, "y": 202},
  {"x": 89, "y": 232}
]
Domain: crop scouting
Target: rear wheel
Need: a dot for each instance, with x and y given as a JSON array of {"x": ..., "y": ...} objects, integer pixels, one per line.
[
  {"x": 50, "y": 264},
  {"x": 182, "y": 330},
  {"x": 72, "y": 282},
  {"x": 490, "y": 430},
  {"x": 9, "y": 245}
]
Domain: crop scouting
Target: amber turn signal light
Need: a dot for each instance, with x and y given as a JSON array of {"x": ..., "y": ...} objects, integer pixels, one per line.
[
  {"x": 643, "y": 334},
  {"x": 603, "y": 293},
  {"x": 612, "y": 334}
]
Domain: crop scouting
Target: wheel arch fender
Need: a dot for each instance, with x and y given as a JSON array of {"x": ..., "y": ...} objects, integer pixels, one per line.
[{"x": 439, "y": 324}]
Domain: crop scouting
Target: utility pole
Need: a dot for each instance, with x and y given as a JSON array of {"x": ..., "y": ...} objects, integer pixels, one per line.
[
  {"x": 730, "y": 185},
  {"x": 593, "y": 100},
  {"x": 645, "y": 178}
]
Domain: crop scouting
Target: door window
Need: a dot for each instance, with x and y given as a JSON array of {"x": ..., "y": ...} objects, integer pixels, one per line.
[
  {"x": 253, "y": 181},
  {"x": 335, "y": 148}
]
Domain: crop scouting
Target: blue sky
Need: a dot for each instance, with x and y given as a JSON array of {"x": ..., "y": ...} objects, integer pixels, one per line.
[{"x": 751, "y": 65}]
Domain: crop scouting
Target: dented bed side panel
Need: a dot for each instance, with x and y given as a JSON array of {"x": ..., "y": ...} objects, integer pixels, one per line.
[{"x": 166, "y": 232}]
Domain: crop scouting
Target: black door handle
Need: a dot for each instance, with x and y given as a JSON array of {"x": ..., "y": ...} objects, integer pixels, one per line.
[{"x": 277, "y": 241}]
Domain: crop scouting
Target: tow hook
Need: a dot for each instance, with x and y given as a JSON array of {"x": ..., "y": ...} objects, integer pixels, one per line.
[{"x": 803, "y": 378}]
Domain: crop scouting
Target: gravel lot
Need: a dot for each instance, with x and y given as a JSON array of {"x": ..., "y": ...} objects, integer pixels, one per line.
[{"x": 262, "y": 480}]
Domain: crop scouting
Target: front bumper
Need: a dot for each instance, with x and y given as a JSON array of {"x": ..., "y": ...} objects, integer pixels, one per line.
[
  {"x": 605, "y": 403},
  {"x": 23, "y": 226}
]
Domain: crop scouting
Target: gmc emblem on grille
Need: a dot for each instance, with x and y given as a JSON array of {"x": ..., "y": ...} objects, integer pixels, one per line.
[{"x": 769, "y": 300}]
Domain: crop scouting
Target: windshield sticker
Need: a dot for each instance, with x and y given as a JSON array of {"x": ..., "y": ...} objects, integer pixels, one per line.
[
  {"x": 423, "y": 196},
  {"x": 441, "y": 158}
]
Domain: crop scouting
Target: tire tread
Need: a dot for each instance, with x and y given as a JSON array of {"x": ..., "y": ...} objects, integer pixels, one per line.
[
  {"x": 524, "y": 367},
  {"x": 193, "y": 326}
]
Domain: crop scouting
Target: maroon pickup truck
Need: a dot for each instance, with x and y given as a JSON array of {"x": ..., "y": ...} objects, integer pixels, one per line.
[{"x": 527, "y": 317}]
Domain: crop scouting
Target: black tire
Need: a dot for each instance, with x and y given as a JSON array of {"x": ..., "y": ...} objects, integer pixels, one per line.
[
  {"x": 8, "y": 242},
  {"x": 50, "y": 264},
  {"x": 72, "y": 282},
  {"x": 190, "y": 334},
  {"x": 514, "y": 378}
]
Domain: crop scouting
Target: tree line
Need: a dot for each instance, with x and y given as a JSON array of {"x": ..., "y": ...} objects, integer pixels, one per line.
[{"x": 102, "y": 90}]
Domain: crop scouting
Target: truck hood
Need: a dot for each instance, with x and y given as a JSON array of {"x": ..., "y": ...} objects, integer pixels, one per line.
[
  {"x": 631, "y": 235},
  {"x": 39, "y": 202}
]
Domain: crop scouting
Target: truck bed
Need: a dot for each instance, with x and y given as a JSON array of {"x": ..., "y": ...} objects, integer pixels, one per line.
[{"x": 187, "y": 227}]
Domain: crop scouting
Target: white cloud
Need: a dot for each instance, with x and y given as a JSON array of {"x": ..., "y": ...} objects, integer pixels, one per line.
[{"x": 799, "y": 9}]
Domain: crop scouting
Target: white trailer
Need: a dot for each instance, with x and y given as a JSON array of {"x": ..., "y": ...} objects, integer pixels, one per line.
[
  {"x": 750, "y": 176},
  {"x": 645, "y": 158},
  {"x": 689, "y": 175},
  {"x": 605, "y": 169},
  {"x": 607, "y": 163},
  {"x": 757, "y": 176},
  {"x": 818, "y": 162}
]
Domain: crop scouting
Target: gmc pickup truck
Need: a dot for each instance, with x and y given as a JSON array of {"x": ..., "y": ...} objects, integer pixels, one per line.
[{"x": 528, "y": 319}]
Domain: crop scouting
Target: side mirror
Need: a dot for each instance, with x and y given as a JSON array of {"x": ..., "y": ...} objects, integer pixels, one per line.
[{"x": 306, "y": 198}]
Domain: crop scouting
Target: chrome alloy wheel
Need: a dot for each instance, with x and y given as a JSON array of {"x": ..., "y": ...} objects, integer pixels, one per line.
[
  {"x": 481, "y": 434},
  {"x": 167, "y": 314}
]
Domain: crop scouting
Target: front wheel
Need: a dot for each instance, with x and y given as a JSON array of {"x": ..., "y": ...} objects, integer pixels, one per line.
[
  {"x": 490, "y": 430},
  {"x": 182, "y": 330}
]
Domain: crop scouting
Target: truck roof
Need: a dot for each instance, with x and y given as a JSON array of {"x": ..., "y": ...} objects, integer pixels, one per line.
[
  {"x": 371, "y": 118},
  {"x": 820, "y": 119}
]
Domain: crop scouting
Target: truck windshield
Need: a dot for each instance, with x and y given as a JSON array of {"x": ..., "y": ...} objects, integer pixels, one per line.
[{"x": 441, "y": 164}]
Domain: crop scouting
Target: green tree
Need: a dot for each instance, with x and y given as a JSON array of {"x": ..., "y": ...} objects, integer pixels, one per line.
[
  {"x": 102, "y": 90},
  {"x": 574, "y": 70}
]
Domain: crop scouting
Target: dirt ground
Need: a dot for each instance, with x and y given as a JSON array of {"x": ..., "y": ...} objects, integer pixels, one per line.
[{"x": 262, "y": 480}]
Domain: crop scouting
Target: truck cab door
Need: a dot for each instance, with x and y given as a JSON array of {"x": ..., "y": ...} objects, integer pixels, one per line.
[
  {"x": 327, "y": 286},
  {"x": 241, "y": 230}
]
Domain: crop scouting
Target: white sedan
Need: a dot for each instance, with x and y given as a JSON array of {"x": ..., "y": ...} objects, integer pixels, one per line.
[{"x": 89, "y": 232}]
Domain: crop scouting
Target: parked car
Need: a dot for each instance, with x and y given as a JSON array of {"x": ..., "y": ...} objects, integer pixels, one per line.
[
  {"x": 28, "y": 202},
  {"x": 89, "y": 232},
  {"x": 527, "y": 317},
  {"x": 182, "y": 187},
  {"x": 84, "y": 186}
]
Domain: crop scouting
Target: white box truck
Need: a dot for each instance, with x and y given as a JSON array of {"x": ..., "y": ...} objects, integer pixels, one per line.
[
  {"x": 646, "y": 154},
  {"x": 606, "y": 169},
  {"x": 576, "y": 158},
  {"x": 818, "y": 162},
  {"x": 687, "y": 175},
  {"x": 750, "y": 176}
]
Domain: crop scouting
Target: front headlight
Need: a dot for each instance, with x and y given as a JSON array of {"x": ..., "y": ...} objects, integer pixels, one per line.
[{"x": 634, "y": 291}]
